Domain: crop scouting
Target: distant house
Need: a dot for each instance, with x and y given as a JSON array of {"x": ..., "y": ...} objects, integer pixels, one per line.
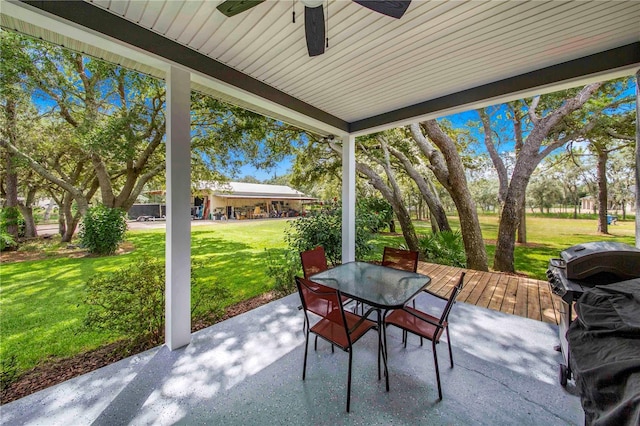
[
  {"x": 240, "y": 200},
  {"x": 589, "y": 203}
]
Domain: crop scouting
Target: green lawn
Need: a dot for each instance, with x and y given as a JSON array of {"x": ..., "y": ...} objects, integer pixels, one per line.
[{"x": 40, "y": 301}]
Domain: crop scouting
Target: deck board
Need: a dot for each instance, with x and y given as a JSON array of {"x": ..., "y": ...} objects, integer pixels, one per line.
[{"x": 506, "y": 293}]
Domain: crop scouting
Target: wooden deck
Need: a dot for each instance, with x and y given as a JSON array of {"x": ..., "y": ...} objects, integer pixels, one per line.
[{"x": 510, "y": 294}]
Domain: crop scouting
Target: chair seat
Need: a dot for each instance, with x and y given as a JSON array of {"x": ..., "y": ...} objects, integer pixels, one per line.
[
  {"x": 403, "y": 319},
  {"x": 331, "y": 328}
]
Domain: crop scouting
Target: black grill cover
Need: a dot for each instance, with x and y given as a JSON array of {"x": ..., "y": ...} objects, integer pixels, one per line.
[{"x": 605, "y": 353}]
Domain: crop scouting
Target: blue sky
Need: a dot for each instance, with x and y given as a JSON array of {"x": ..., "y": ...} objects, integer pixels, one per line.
[{"x": 282, "y": 168}]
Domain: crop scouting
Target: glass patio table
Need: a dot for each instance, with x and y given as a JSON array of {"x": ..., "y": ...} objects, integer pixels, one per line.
[{"x": 380, "y": 287}]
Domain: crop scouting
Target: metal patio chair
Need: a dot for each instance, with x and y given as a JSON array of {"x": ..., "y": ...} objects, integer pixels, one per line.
[
  {"x": 339, "y": 327},
  {"x": 427, "y": 326},
  {"x": 405, "y": 260}
]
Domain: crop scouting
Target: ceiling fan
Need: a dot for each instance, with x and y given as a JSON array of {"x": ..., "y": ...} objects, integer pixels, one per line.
[{"x": 314, "y": 27}]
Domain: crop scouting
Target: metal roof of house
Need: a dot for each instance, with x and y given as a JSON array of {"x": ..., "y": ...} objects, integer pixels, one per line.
[
  {"x": 378, "y": 72},
  {"x": 253, "y": 190}
]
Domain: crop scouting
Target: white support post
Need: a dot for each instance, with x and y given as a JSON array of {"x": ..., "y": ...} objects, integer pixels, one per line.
[
  {"x": 348, "y": 198},
  {"x": 178, "y": 239},
  {"x": 638, "y": 158}
]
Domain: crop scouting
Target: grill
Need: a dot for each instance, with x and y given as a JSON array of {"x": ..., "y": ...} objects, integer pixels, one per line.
[{"x": 580, "y": 268}]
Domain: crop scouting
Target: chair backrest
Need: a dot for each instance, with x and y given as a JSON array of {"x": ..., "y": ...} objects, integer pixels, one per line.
[
  {"x": 325, "y": 302},
  {"x": 452, "y": 299},
  {"x": 313, "y": 261},
  {"x": 400, "y": 259}
]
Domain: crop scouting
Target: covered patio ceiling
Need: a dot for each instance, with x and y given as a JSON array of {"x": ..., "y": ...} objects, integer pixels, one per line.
[{"x": 378, "y": 72}]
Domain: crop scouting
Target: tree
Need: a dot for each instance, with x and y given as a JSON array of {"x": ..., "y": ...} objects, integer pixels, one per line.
[
  {"x": 405, "y": 153},
  {"x": 554, "y": 120},
  {"x": 544, "y": 191},
  {"x": 621, "y": 178},
  {"x": 446, "y": 164},
  {"x": 111, "y": 118},
  {"x": 391, "y": 191},
  {"x": 571, "y": 173},
  {"x": 111, "y": 127},
  {"x": 608, "y": 134},
  {"x": 485, "y": 193}
]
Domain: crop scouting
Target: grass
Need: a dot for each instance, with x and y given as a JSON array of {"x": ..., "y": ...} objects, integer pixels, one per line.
[
  {"x": 41, "y": 301},
  {"x": 546, "y": 238}
]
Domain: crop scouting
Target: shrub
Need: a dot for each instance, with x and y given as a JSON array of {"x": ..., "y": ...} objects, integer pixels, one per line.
[
  {"x": 7, "y": 242},
  {"x": 444, "y": 248},
  {"x": 10, "y": 216},
  {"x": 131, "y": 301},
  {"x": 373, "y": 213},
  {"x": 102, "y": 229},
  {"x": 283, "y": 269},
  {"x": 325, "y": 229}
]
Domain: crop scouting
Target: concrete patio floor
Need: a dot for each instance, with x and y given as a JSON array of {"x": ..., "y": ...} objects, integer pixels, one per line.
[{"x": 247, "y": 370}]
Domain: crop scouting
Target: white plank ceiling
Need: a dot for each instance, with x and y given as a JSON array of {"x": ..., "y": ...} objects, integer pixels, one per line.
[{"x": 376, "y": 64}]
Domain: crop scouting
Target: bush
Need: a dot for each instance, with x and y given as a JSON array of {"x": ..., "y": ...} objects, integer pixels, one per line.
[
  {"x": 102, "y": 229},
  {"x": 10, "y": 216},
  {"x": 325, "y": 229},
  {"x": 444, "y": 248},
  {"x": 7, "y": 242},
  {"x": 373, "y": 213},
  {"x": 283, "y": 269},
  {"x": 131, "y": 301}
]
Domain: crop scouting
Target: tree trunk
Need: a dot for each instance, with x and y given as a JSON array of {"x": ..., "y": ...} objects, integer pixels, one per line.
[
  {"x": 503, "y": 259},
  {"x": 449, "y": 171},
  {"x": 11, "y": 190},
  {"x": 522, "y": 227},
  {"x": 11, "y": 176},
  {"x": 392, "y": 195},
  {"x": 428, "y": 195},
  {"x": 603, "y": 203},
  {"x": 68, "y": 225},
  {"x": 434, "y": 224},
  {"x": 30, "y": 229},
  {"x": 505, "y": 245},
  {"x": 62, "y": 225},
  {"x": 408, "y": 231},
  {"x": 47, "y": 212}
]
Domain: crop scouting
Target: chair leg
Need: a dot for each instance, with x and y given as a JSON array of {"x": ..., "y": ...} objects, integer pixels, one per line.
[
  {"x": 349, "y": 383},
  {"x": 449, "y": 343},
  {"x": 315, "y": 345},
  {"x": 306, "y": 349},
  {"x": 435, "y": 360}
]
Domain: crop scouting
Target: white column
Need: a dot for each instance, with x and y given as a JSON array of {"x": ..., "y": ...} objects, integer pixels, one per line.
[
  {"x": 178, "y": 247},
  {"x": 638, "y": 158},
  {"x": 348, "y": 198}
]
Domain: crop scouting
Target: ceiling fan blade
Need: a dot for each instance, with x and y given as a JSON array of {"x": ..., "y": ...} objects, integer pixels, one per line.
[
  {"x": 394, "y": 9},
  {"x": 314, "y": 30},
  {"x": 233, "y": 7}
]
